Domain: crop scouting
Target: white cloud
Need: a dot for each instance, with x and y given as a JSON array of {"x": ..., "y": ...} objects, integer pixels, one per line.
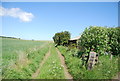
[{"x": 16, "y": 13}]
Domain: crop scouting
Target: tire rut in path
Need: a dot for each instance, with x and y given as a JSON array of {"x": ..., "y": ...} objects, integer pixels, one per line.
[
  {"x": 66, "y": 73},
  {"x": 41, "y": 64}
]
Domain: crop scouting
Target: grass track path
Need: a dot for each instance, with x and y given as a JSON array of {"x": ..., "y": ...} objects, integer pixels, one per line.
[
  {"x": 41, "y": 64},
  {"x": 66, "y": 73}
]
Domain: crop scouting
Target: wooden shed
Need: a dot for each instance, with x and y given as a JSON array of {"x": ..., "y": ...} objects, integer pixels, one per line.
[{"x": 74, "y": 41}]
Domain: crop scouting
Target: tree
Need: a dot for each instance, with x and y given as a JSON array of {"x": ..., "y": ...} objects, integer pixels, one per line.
[
  {"x": 65, "y": 38},
  {"x": 101, "y": 39},
  {"x": 95, "y": 38},
  {"x": 61, "y": 38}
]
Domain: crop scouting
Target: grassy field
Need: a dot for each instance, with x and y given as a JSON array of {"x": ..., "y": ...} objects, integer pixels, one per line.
[
  {"x": 106, "y": 69},
  {"x": 12, "y": 47},
  {"x": 20, "y": 58}
]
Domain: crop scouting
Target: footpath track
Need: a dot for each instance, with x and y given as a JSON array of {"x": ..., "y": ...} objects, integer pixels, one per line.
[
  {"x": 62, "y": 61},
  {"x": 66, "y": 73},
  {"x": 41, "y": 64}
]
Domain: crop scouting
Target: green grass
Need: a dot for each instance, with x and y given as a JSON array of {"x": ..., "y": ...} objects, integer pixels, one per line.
[
  {"x": 106, "y": 69},
  {"x": 0, "y": 58},
  {"x": 26, "y": 71},
  {"x": 21, "y": 58},
  {"x": 12, "y": 47},
  {"x": 52, "y": 68}
]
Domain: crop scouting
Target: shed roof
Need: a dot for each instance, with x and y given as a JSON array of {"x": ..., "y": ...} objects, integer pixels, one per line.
[{"x": 75, "y": 38}]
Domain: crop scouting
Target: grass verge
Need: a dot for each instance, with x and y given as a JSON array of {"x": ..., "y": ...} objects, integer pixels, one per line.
[{"x": 106, "y": 69}]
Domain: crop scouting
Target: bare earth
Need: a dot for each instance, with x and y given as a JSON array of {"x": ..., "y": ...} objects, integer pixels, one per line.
[
  {"x": 66, "y": 73},
  {"x": 41, "y": 64}
]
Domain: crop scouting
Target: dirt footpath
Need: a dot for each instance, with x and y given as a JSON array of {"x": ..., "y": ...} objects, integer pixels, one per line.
[{"x": 66, "y": 73}]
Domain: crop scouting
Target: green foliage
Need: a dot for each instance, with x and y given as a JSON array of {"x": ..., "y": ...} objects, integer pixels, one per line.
[
  {"x": 101, "y": 39},
  {"x": 114, "y": 40},
  {"x": 106, "y": 69},
  {"x": 61, "y": 38}
]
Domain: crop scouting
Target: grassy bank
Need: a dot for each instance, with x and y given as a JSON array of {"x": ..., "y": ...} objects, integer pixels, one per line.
[{"x": 106, "y": 69}]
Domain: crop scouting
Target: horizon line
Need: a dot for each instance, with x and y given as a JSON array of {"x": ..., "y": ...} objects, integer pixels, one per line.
[{"x": 23, "y": 38}]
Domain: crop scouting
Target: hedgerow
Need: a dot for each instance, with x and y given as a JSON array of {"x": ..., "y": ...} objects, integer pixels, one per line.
[
  {"x": 101, "y": 39},
  {"x": 114, "y": 40}
]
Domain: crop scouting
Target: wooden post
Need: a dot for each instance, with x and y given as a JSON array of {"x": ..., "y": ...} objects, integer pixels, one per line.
[{"x": 91, "y": 61}]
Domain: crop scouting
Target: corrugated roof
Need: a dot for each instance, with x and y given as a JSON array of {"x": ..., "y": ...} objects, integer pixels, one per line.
[{"x": 75, "y": 38}]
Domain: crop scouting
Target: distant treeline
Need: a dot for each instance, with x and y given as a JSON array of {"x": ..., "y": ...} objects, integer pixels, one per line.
[{"x": 9, "y": 37}]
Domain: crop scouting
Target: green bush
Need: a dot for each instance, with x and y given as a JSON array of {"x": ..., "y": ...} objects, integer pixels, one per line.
[
  {"x": 61, "y": 38},
  {"x": 114, "y": 40},
  {"x": 101, "y": 39},
  {"x": 95, "y": 38}
]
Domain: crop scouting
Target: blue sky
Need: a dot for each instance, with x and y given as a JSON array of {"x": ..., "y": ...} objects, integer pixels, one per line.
[{"x": 44, "y": 19}]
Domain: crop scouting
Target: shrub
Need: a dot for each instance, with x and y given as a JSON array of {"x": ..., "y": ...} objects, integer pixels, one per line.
[
  {"x": 61, "y": 38},
  {"x": 95, "y": 38},
  {"x": 101, "y": 39},
  {"x": 114, "y": 40}
]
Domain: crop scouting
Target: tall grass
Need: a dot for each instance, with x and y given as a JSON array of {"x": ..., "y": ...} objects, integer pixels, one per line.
[
  {"x": 0, "y": 58},
  {"x": 20, "y": 58},
  {"x": 106, "y": 69},
  {"x": 10, "y": 48}
]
